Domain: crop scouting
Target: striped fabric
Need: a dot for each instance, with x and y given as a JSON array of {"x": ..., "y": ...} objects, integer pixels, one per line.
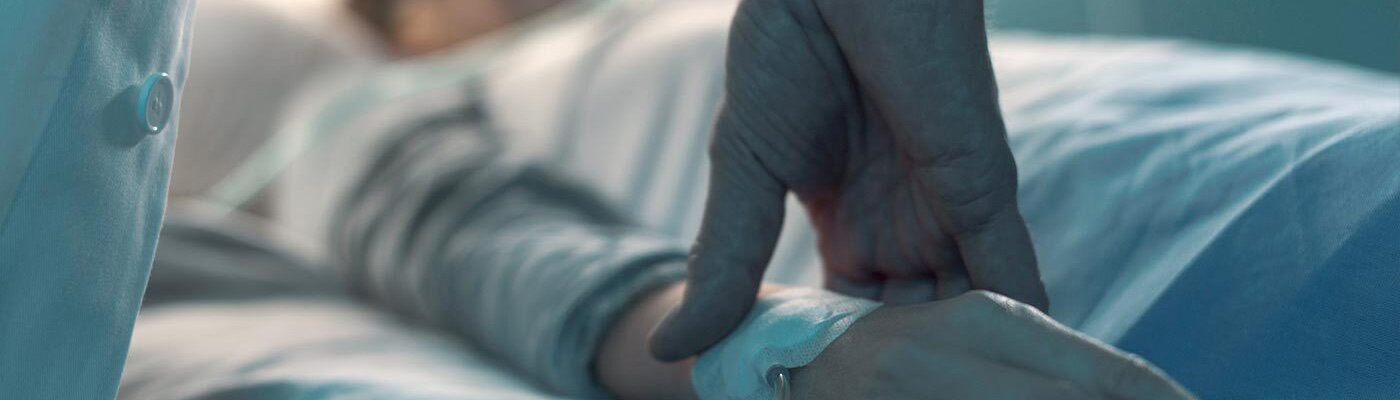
[
  {"x": 528, "y": 266},
  {"x": 485, "y": 202}
]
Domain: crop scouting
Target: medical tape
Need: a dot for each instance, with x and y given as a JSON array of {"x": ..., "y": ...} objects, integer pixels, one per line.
[{"x": 784, "y": 330}]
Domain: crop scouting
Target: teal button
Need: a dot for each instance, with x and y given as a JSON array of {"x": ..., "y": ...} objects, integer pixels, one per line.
[{"x": 156, "y": 104}]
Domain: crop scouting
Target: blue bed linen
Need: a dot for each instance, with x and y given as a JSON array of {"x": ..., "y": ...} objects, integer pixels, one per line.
[{"x": 1232, "y": 216}]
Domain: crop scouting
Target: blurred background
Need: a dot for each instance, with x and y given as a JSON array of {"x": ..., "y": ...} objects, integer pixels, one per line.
[
  {"x": 1360, "y": 32},
  {"x": 217, "y": 136}
]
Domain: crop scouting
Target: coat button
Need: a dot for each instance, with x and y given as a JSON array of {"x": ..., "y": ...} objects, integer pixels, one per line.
[{"x": 156, "y": 103}]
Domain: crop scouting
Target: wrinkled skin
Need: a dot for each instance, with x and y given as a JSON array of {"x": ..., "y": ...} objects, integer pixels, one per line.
[
  {"x": 882, "y": 117},
  {"x": 978, "y": 345}
]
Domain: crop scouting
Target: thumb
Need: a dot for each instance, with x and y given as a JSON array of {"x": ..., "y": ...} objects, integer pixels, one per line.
[{"x": 742, "y": 220}]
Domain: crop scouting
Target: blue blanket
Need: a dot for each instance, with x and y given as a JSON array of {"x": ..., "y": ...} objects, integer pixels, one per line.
[{"x": 1232, "y": 216}]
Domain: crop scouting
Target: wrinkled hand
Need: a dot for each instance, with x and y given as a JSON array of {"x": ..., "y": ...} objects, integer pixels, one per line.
[
  {"x": 975, "y": 346},
  {"x": 882, "y": 117}
]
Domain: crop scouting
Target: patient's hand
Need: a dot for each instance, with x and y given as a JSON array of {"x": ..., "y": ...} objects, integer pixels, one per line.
[
  {"x": 882, "y": 117},
  {"x": 975, "y": 346},
  {"x": 978, "y": 345}
]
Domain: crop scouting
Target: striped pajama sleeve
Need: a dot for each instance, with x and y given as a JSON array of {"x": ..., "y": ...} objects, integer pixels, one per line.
[{"x": 445, "y": 229}]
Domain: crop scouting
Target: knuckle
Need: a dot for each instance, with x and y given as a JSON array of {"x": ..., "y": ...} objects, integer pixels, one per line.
[
  {"x": 984, "y": 301},
  {"x": 978, "y": 308},
  {"x": 1130, "y": 374}
]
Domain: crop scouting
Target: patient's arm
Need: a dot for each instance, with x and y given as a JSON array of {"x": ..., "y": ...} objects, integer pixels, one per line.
[
  {"x": 628, "y": 369},
  {"x": 525, "y": 265},
  {"x": 538, "y": 272}
]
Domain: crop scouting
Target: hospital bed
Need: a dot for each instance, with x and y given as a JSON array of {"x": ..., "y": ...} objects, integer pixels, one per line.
[{"x": 1230, "y": 214}]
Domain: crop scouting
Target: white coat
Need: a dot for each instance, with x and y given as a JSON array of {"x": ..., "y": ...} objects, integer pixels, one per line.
[{"x": 88, "y": 102}]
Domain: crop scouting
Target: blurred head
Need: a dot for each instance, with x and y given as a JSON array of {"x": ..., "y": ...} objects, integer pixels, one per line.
[{"x": 414, "y": 27}]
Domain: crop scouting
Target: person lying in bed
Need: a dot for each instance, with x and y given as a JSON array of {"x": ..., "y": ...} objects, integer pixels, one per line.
[
  {"x": 902, "y": 162},
  {"x": 466, "y": 200},
  {"x": 537, "y": 270},
  {"x": 449, "y": 223}
]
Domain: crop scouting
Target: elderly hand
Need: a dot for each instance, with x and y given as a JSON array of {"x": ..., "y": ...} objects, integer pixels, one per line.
[
  {"x": 882, "y": 117},
  {"x": 975, "y": 346}
]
